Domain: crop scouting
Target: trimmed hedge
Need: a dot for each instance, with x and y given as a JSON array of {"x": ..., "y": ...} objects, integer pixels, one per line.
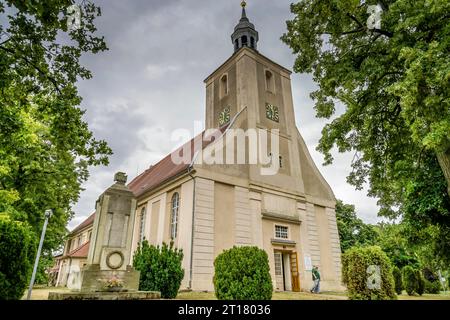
[
  {"x": 160, "y": 268},
  {"x": 420, "y": 283},
  {"x": 398, "y": 280},
  {"x": 410, "y": 280},
  {"x": 242, "y": 273},
  {"x": 17, "y": 252},
  {"x": 356, "y": 275}
]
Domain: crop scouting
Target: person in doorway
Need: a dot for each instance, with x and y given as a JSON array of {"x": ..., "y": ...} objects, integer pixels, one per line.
[{"x": 316, "y": 279}]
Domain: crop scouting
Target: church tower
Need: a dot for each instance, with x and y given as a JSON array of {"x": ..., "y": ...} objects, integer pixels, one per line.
[
  {"x": 251, "y": 81},
  {"x": 250, "y": 91}
]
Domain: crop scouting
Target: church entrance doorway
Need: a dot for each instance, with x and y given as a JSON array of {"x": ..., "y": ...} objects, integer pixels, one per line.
[{"x": 286, "y": 271}]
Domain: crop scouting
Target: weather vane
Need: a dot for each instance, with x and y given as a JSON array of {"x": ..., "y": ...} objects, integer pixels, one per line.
[{"x": 243, "y": 4}]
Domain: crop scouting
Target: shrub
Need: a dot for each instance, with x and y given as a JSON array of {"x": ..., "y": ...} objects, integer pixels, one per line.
[
  {"x": 397, "y": 280},
  {"x": 357, "y": 275},
  {"x": 420, "y": 282},
  {"x": 410, "y": 280},
  {"x": 160, "y": 268},
  {"x": 433, "y": 287},
  {"x": 242, "y": 273},
  {"x": 17, "y": 252},
  {"x": 45, "y": 263},
  {"x": 430, "y": 275},
  {"x": 432, "y": 283}
]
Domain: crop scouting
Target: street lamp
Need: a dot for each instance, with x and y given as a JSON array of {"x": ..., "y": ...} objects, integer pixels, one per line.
[{"x": 48, "y": 214}]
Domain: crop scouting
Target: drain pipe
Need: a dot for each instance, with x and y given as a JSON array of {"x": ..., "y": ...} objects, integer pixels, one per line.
[{"x": 193, "y": 220}]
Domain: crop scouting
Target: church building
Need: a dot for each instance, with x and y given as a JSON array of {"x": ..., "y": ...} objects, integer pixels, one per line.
[{"x": 207, "y": 208}]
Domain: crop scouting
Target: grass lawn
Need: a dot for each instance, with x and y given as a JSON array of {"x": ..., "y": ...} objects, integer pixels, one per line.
[
  {"x": 425, "y": 296},
  {"x": 194, "y": 295},
  {"x": 42, "y": 294}
]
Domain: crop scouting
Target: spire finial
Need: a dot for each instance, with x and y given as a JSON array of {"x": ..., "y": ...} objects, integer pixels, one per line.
[{"x": 243, "y": 5}]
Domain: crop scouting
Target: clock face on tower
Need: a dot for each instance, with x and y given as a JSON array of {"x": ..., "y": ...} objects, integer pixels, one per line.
[
  {"x": 272, "y": 112},
  {"x": 224, "y": 116}
]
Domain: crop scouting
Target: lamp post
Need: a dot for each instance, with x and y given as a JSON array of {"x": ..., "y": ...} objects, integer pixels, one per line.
[{"x": 48, "y": 214}]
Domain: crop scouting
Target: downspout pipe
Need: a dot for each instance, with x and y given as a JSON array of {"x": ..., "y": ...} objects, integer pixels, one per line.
[{"x": 193, "y": 220}]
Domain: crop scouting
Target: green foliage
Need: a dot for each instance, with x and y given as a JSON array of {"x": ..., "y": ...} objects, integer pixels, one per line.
[
  {"x": 420, "y": 283},
  {"x": 386, "y": 92},
  {"x": 355, "y": 264},
  {"x": 46, "y": 147},
  {"x": 160, "y": 268},
  {"x": 352, "y": 230},
  {"x": 390, "y": 84},
  {"x": 427, "y": 213},
  {"x": 45, "y": 263},
  {"x": 432, "y": 287},
  {"x": 17, "y": 252},
  {"x": 393, "y": 240},
  {"x": 410, "y": 280},
  {"x": 242, "y": 273},
  {"x": 397, "y": 274}
]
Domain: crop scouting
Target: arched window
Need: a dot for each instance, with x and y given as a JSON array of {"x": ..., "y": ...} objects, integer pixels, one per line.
[
  {"x": 142, "y": 225},
  {"x": 270, "y": 83},
  {"x": 236, "y": 44},
  {"x": 244, "y": 41},
  {"x": 174, "y": 215},
  {"x": 223, "y": 86},
  {"x": 252, "y": 42}
]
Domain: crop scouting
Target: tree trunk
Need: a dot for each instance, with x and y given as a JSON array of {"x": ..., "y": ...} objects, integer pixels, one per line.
[{"x": 444, "y": 162}]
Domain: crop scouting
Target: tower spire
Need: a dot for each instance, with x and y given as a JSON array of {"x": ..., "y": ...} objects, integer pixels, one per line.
[
  {"x": 245, "y": 34},
  {"x": 244, "y": 14}
]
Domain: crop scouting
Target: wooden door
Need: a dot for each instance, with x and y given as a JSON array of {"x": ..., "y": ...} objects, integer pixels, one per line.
[{"x": 295, "y": 272}]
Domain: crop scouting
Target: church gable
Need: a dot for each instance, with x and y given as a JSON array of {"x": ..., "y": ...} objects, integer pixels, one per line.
[{"x": 315, "y": 184}]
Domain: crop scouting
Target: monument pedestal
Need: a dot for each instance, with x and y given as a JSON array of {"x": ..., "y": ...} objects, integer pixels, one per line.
[
  {"x": 134, "y": 295},
  {"x": 95, "y": 279}
]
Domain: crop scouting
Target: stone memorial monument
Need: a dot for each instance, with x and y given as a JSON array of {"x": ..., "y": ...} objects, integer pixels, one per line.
[
  {"x": 108, "y": 274},
  {"x": 108, "y": 264}
]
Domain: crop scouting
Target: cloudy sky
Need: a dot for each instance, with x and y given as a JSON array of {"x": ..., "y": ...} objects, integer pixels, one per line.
[{"x": 150, "y": 83}]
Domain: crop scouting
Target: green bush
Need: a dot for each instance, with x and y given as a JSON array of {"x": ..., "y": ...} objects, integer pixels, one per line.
[
  {"x": 160, "y": 268},
  {"x": 357, "y": 275},
  {"x": 242, "y": 273},
  {"x": 433, "y": 287},
  {"x": 420, "y": 282},
  {"x": 397, "y": 280},
  {"x": 410, "y": 280},
  {"x": 45, "y": 263},
  {"x": 430, "y": 275},
  {"x": 17, "y": 252}
]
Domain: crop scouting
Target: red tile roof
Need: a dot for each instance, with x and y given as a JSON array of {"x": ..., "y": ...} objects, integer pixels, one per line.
[
  {"x": 166, "y": 169},
  {"x": 89, "y": 221},
  {"x": 80, "y": 252}
]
